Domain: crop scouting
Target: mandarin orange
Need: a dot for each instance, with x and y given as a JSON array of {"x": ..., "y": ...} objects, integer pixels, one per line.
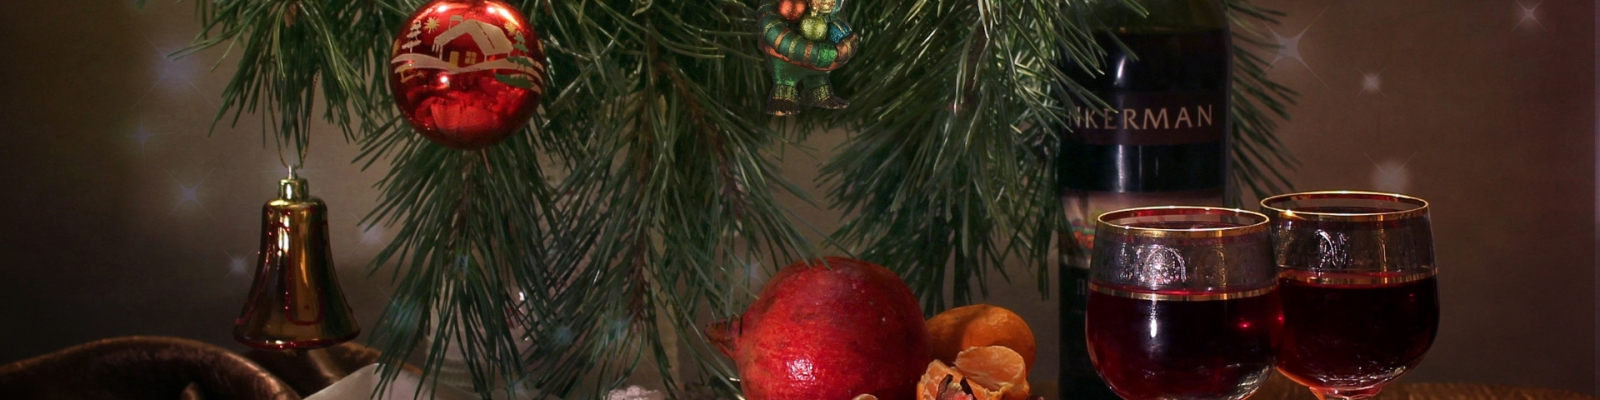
[{"x": 978, "y": 325}]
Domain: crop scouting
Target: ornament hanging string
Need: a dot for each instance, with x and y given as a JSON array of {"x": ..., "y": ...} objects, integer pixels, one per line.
[
  {"x": 301, "y": 142},
  {"x": 301, "y": 149}
]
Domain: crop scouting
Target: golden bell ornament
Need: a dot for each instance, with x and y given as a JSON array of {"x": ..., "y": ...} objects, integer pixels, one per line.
[{"x": 295, "y": 302}]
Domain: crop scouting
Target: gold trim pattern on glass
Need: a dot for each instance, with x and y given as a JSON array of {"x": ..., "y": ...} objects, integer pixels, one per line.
[
  {"x": 1421, "y": 208},
  {"x": 1179, "y": 297},
  {"x": 1108, "y": 228}
]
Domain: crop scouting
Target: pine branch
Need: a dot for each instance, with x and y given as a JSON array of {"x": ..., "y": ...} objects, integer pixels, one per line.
[
  {"x": 951, "y": 172},
  {"x": 1257, "y": 156},
  {"x": 654, "y": 114},
  {"x": 676, "y": 180},
  {"x": 666, "y": 198},
  {"x": 292, "y": 50},
  {"x": 949, "y": 167},
  {"x": 469, "y": 252}
]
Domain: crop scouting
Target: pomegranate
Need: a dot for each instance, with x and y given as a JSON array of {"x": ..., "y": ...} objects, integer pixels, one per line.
[{"x": 828, "y": 331}]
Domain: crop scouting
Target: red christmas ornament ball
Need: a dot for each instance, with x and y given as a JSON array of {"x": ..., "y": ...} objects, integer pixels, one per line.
[{"x": 451, "y": 66}]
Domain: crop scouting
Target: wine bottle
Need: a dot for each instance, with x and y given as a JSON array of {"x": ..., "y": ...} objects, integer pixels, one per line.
[{"x": 1161, "y": 138}]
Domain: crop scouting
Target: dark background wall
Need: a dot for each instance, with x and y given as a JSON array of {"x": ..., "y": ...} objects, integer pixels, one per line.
[
  {"x": 124, "y": 217},
  {"x": 1485, "y": 108}
]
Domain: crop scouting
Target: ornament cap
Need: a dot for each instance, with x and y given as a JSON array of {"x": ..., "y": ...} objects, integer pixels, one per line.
[{"x": 293, "y": 188}]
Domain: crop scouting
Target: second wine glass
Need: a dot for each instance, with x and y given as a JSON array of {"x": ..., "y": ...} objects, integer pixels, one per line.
[
  {"x": 1360, "y": 300},
  {"x": 1182, "y": 303}
]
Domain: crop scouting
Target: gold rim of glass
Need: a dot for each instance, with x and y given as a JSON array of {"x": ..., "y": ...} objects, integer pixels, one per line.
[
  {"x": 1257, "y": 224},
  {"x": 1420, "y": 206},
  {"x": 1140, "y": 295}
]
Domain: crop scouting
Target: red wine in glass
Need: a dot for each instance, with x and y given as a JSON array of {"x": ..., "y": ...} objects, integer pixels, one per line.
[
  {"x": 1218, "y": 348},
  {"x": 1182, "y": 303},
  {"x": 1350, "y": 332},
  {"x": 1357, "y": 279}
]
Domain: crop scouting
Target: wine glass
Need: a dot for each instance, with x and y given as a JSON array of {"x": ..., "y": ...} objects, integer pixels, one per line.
[
  {"x": 1360, "y": 301},
  {"x": 1182, "y": 303}
]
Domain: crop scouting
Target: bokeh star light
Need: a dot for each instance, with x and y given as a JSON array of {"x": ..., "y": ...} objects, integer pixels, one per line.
[
  {"x": 1530, "y": 14},
  {"x": 1289, "y": 47},
  {"x": 1372, "y": 82}
]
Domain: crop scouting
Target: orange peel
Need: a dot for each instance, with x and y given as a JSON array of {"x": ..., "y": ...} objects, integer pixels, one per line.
[
  {"x": 998, "y": 369},
  {"x": 980, "y": 373}
]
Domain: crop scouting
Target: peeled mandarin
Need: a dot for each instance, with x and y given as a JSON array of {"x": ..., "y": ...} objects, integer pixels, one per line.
[
  {"x": 998, "y": 369},
  {"x": 939, "y": 382}
]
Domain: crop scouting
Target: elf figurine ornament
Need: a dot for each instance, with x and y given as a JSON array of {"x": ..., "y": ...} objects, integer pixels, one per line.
[{"x": 804, "y": 40}]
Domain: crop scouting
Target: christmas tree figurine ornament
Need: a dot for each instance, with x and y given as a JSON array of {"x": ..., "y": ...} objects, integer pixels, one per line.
[
  {"x": 804, "y": 40},
  {"x": 467, "y": 73},
  {"x": 295, "y": 301}
]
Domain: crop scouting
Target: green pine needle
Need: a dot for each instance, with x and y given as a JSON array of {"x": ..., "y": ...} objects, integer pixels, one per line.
[{"x": 950, "y": 174}]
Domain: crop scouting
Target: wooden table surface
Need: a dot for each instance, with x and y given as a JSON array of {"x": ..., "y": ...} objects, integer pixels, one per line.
[
  {"x": 162, "y": 367},
  {"x": 310, "y": 372}
]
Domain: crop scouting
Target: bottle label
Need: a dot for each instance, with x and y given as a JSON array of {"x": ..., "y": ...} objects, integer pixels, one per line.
[{"x": 1153, "y": 118}]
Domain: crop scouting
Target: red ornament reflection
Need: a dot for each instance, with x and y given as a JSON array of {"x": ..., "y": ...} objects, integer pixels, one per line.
[{"x": 450, "y": 71}]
